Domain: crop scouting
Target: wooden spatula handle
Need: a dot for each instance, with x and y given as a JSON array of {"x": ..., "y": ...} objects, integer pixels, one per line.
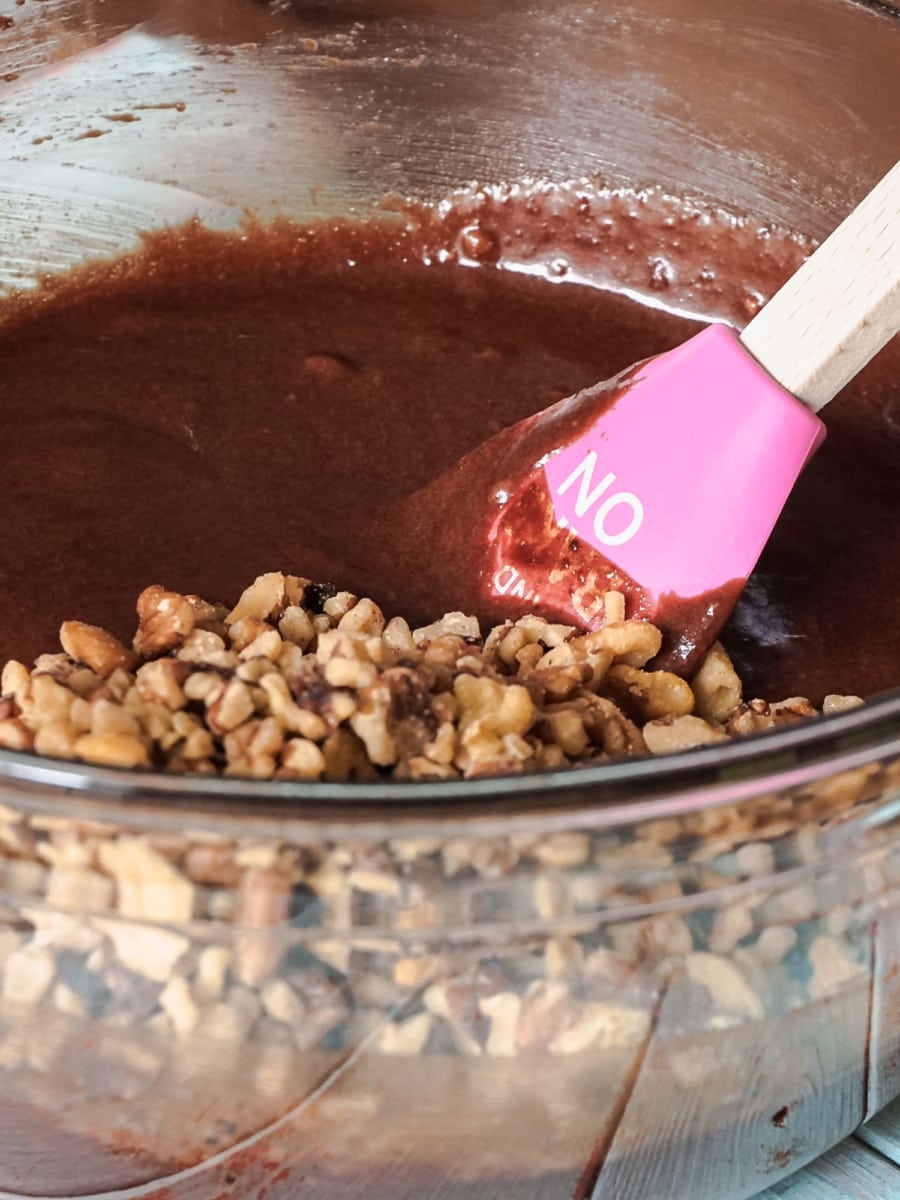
[{"x": 840, "y": 308}]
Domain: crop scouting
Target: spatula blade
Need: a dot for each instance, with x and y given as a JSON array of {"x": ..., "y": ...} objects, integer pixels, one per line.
[{"x": 668, "y": 495}]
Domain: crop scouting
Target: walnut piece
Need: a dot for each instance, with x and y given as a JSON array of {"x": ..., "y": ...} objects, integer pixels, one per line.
[
  {"x": 165, "y": 621},
  {"x": 94, "y": 647}
]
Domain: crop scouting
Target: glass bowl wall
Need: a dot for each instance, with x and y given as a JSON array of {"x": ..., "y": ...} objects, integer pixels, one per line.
[{"x": 658, "y": 980}]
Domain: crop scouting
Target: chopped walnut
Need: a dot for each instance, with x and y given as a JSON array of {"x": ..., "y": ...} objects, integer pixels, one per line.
[
  {"x": 610, "y": 729},
  {"x": 669, "y": 735},
  {"x": 345, "y": 757},
  {"x": 98, "y": 649},
  {"x": 301, "y": 759},
  {"x": 160, "y": 682},
  {"x": 716, "y": 686},
  {"x": 15, "y": 735},
  {"x": 649, "y": 695},
  {"x": 370, "y": 723},
  {"x": 454, "y": 623},
  {"x": 13, "y": 676},
  {"x": 268, "y": 597},
  {"x": 758, "y": 715},
  {"x": 113, "y": 749},
  {"x": 245, "y": 631},
  {"x": 296, "y": 626},
  {"x": 207, "y": 648},
  {"x": 165, "y": 621},
  {"x": 300, "y": 681},
  {"x": 230, "y": 707},
  {"x": 835, "y": 704},
  {"x": 364, "y": 617},
  {"x": 493, "y": 707}
]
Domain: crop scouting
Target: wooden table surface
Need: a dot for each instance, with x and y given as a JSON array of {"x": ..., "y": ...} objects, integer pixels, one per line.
[{"x": 864, "y": 1167}]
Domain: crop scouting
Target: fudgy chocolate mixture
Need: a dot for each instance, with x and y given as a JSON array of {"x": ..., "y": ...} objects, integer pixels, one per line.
[{"x": 219, "y": 405}]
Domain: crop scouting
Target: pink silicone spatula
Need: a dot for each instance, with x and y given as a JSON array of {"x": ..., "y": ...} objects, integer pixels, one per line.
[{"x": 666, "y": 483}]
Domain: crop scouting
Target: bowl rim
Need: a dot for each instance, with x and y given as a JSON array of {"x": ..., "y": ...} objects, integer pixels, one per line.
[{"x": 608, "y": 794}]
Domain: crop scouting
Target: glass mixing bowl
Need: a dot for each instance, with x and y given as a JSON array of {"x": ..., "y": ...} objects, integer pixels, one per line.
[{"x": 652, "y": 980}]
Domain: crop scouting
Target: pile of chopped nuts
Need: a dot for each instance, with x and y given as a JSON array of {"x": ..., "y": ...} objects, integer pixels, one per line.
[{"x": 301, "y": 681}]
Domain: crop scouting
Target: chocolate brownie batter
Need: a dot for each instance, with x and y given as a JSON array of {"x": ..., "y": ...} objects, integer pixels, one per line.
[{"x": 217, "y": 405}]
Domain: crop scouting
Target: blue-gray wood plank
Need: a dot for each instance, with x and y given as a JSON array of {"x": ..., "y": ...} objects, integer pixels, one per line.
[
  {"x": 864, "y": 1167},
  {"x": 883, "y": 1133}
]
